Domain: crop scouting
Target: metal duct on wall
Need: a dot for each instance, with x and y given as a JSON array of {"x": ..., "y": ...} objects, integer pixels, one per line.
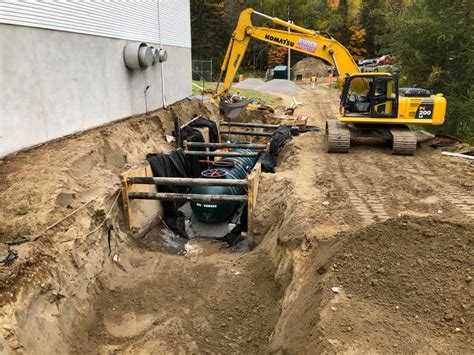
[{"x": 138, "y": 55}]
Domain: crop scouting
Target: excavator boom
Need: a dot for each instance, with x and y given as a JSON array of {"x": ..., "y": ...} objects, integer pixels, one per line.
[{"x": 303, "y": 40}]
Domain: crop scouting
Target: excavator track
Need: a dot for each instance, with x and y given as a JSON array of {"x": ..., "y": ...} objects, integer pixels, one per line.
[
  {"x": 338, "y": 137},
  {"x": 404, "y": 141}
]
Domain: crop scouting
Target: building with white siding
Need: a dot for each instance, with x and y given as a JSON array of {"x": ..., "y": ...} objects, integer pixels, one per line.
[{"x": 62, "y": 66}]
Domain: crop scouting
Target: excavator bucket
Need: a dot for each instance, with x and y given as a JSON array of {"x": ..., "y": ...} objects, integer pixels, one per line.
[{"x": 231, "y": 109}]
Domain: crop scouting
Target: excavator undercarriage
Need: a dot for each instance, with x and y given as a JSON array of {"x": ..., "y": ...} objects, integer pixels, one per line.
[{"x": 339, "y": 136}]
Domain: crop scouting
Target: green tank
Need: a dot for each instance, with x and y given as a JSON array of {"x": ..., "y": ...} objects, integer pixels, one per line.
[{"x": 227, "y": 168}]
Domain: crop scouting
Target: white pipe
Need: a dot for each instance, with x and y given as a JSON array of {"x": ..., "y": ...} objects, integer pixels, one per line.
[
  {"x": 459, "y": 155},
  {"x": 163, "y": 96}
]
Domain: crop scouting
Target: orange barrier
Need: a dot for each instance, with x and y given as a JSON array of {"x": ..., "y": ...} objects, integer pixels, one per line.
[{"x": 330, "y": 79}]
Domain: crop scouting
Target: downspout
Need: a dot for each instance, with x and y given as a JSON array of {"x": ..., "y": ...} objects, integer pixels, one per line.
[{"x": 163, "y": 98}]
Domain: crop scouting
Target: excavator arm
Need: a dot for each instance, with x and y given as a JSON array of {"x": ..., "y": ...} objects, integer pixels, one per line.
[{"x": 301, "y": 39}]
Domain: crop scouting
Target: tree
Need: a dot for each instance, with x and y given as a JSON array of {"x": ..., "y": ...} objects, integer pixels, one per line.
[
  {"x": 210, "y": 34},
  {"x": 373, "y": 19},
  {"x": 336, "y": 20},
  {"x": 276, "y": 55},
  {"x": 434, "y": 41},
  {"x": 356, "y": 41}
]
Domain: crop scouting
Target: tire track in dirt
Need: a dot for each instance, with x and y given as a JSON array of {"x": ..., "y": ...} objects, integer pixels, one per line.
[
  {"x": 367, "y": 199},
  {"x": 425, "y": 175}
]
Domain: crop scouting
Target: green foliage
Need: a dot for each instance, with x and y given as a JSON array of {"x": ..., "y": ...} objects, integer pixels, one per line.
[
  {"x": 432, "y": 39},
  {"x": 373, "y": 18},
  {"x": 434, "y": 42},
  {"x": 210, "y": 32},
  {"x": 335, "y": 21}
]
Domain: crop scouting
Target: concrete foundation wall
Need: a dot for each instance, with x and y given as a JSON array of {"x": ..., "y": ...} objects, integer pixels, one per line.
[{"x": 55, "y": 83}]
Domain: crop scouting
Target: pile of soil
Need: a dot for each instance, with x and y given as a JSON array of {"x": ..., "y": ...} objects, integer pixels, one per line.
[
  {"x": 403, "y": 285},
  {"x": 309, "y": 66},
  {"x": 414, "y": 276},
  {"x": 423, "y": 266}
]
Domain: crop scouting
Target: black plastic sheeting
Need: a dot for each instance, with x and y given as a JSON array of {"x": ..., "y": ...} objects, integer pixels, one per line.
[
  {"x": 277, "y": 141},
  {"x": 173, "y": 164},
  {"x": 206, "y": 122},
  {"x": 191, "y": 134}
]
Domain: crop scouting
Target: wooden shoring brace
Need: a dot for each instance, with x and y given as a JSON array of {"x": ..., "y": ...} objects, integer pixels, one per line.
[
  {"x": 140, "y": 215},
  {"x": 220, "y": 154},
  {"x": 227, "y": 145},
  {"x": 248, "y": 133},
  {"x": 252, "y": 191},
  {"x": 250, "y": 124},
  {"x": 179, "y": 181}
]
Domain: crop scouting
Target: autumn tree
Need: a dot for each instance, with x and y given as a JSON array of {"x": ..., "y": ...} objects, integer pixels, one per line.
[
  {"x": 356, "y": 41},
  {"x": 276, "y": 55}
]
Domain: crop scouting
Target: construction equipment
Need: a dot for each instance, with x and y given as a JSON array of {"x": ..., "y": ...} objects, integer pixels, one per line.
[{"x": 371, "y": 103}]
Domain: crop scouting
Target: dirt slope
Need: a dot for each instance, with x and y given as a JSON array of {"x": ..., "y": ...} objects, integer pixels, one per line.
[
  {"x": 346, "y": 217},
  {"x": 388, "y": 231}
]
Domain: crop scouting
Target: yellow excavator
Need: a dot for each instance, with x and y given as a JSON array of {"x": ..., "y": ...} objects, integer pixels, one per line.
[{"x": 371, "y": 103}]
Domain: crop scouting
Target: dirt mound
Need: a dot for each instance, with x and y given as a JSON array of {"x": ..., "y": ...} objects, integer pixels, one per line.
[
  {"x": 405, "y": 278},
  {"x": 421, "y": 266},
  {"x": 308, "y": 66},
  {"x": 403, "y": 285}
]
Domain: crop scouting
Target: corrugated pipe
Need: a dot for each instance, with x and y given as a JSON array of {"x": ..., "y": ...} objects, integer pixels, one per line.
[{"x": 233, "y": 168}]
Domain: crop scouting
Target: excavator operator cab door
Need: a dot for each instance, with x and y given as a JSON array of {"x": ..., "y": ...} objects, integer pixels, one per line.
[
  {"x": 370, "y": 96},
  {"x": 384, "y": 97}
]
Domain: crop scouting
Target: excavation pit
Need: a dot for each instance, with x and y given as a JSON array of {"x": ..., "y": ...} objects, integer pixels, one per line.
[
  {"x": 84, "y": 286},
  {"x": 196, "y": 212}
]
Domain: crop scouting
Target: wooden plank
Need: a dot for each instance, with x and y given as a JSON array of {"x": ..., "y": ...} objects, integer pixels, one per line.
[
  {"x": 194, "y": 119},
  {"x": 250, "y": 124},
  {"x": 248, "y": 133},
  {"x": 205, "y": 133},
  {"x": 252, "y": 192},
  {"x": 459, "y": 155},
  {"x": 141, "y": 215}
]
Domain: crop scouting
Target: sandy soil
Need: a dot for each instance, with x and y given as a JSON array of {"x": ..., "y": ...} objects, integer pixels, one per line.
[{"x": 392, "y": 234}]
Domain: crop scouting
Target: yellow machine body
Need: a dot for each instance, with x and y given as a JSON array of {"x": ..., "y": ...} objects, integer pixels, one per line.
[{"x": 389, "y": 108}]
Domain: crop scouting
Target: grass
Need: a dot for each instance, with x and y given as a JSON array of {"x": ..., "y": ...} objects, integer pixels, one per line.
[{"x": 267, "y": 98}]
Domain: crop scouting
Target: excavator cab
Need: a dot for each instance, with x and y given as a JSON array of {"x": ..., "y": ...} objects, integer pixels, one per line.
[{"x": 370, "y": 95}]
